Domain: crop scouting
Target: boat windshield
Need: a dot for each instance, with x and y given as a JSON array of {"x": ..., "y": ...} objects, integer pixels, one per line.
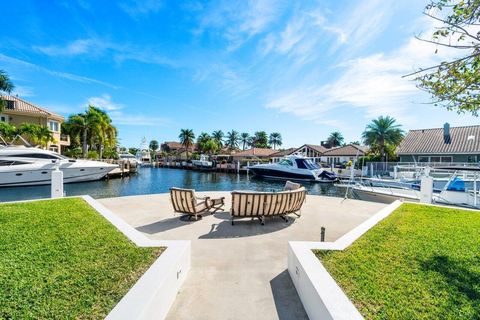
[
  {"x": 285, "y": 162},
  {"x": 306, "y": 164}
]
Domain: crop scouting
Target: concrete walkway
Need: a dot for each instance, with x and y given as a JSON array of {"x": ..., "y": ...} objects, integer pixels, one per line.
[{"x": 240, "y": 271}]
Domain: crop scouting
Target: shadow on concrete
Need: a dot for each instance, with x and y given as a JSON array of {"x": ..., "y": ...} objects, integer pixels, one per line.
[
  {"x": 246, "y": 227},
  {"x": 166, "y": 224},
  {"x": 287, "y": 302}
]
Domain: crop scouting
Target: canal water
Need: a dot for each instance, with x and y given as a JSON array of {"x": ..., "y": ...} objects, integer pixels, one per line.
[{"x": 160, "y": 180}]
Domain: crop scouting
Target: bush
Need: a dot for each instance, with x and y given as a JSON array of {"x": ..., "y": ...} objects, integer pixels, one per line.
[
  {"x": 92, "y": 154},
  {"x": 73, "y": 152}
]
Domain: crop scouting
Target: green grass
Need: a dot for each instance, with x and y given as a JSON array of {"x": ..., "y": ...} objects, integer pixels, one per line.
[
  {"x": 61, "y": 259},
  {"x": 421, "y": 262}
]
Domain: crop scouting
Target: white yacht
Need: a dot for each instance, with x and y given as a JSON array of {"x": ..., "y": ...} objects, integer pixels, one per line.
[
  {"x": 27, "y": 166},
  {"x": 129, "y": 157},
  {"x": 203, "y": 162},
  {"x": 294, "y": 167}
]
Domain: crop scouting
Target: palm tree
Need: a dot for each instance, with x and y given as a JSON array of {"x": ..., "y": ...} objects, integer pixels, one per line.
[
  {"x": 105, "y": 133},
  {"x": 275, "y": 139},
  {"x": 202, "y": 140},
  {"x": 211, "y": 146},
  {"x": 153, "y": 146},
  {"x": 232, "y": 139},
  {"x": 335, "y": 139},
  {"x": 6, "y": 85},
  {"x": 218, "y": 137},
  {"x": 383, "y": 133},
  {"x": 83, "y": 125},
  {"x": 7, "y": 131},
  {"x": 36, "y": 134},
  {"x": 260, "y": 139},
  {"x": 244, "y": 139},
  {"x": 186, "y": 137}
]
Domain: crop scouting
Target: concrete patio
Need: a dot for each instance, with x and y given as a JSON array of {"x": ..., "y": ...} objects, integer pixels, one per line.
[{"x": 240, "y": 271}]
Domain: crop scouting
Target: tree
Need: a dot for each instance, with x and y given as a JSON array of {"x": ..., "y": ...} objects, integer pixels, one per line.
[
  {"x": 211, "y": 146},
  {"x": 383, "y": 134},
  {"x": 202, "y": 140},
  {"x": 36, "y": 134},
  {"x": 218, "y": 137},
  {"x": 6, "y": 85},
  {"x": 186, "y": 137},
  {"x": 83, "y": 125},
  {"x": 260, "y": 140},
  {"x": 335, "y": 139},
  {"x": 232, "y": 139},
  {"x": 105, "y": 134},
  {"x": 153, "y": 146},
  {"x": 7, "y": 131},
  {"x": 275, "y": 139},
  {"x": 244, "y": 139},
  {"x": 454, "y": 84}
]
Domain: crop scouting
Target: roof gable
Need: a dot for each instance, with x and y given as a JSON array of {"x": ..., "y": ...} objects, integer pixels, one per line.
[
  {"x": 27, "y": 107},
  {"x": 348, "y": 150}
]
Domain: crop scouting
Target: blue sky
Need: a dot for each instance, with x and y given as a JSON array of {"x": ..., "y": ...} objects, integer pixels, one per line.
[{"x": 301, "y": 68}]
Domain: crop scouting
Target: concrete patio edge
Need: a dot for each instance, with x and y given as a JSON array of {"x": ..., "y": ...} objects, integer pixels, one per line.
[
  {"x": 154, "y": 293},
  {"x": 321, "y": 296}
]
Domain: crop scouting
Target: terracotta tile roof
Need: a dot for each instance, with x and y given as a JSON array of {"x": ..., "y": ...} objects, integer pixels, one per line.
[
  {"x": 463, "y": 140},
  {"x": 283, "y": 153},
  {"x": 24, "y": 106},
  {"x": 172, "y": 145},
  {"x": 348, "y": 150},
  {"x": 318, "y": 148},
  {"x": 257, "y": 152}
]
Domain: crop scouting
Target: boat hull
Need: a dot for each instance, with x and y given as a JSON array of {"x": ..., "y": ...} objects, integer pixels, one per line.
[
  {"x": 42, "y": 175},
  {"x": 383, "y": 196}
]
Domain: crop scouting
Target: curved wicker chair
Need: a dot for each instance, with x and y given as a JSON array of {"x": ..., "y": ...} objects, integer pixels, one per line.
[{"x": 251, "y": 204}]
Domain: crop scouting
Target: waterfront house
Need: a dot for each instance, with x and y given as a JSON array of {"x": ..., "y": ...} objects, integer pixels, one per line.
[
  {"x": 311, "y": 150},
  {"x": 254, "y": 153},
  {"x": 277, "y": 156},
  {"x": 447, "y": 144},
  {"x": 343, "y": 154},
  {"x": 18, "y": 111}
]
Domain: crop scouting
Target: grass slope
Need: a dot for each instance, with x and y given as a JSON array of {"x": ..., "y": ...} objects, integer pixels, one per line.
[
  {"x": 61, "y": 259},
  {"x": 422, "y": 262}
]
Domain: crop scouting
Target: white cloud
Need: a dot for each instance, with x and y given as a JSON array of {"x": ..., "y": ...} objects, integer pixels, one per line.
[
  {"x": 104, "y": 102},
  {"x": 77, "y": 47},
  {"x": 137, "y": 8},
  {"x": 23, "y": 91},
  {"x": 59, "y": 74},
  {"x": 372, "y": 84},
  {"x": 119, "y": 118}
]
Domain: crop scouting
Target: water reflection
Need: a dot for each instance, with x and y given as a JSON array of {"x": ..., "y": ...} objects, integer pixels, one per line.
[{"x": 159, "y": 180}]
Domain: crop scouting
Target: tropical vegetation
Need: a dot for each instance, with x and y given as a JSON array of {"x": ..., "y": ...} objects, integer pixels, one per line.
[
  {"x": 35, "y": 134},
  {"x": 187, "y": 137},
  {"x": 6, "y": 86},
  {"x": 335, "y": 139},
  {"x": 454, "y": 84},
  {"x": 61, "y": 259},
  {"x": 275, "y": 139},
  {"x": 383, "y": 135},
  {"x": 244, "y": 140},
  {"x": 421, "y": 262},
  {"x": 92, "y": 130}
]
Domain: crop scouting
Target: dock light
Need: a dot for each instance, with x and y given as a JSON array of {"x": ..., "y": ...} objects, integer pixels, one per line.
[{"x": 322, "y": 234}]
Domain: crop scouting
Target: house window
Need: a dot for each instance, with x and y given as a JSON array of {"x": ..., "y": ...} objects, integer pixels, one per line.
[
  {"x": 53, "y": 126},
  {"x": 3, "y": 118},
  {"x": 423, "y": 159},
  {"x": 10, "y": 104},
  {"x": 53, "y": 148},
  {"x": 472, "y": 159},
  {"x": 435, "y": 159},
  {"x": 447, "y": 159}
]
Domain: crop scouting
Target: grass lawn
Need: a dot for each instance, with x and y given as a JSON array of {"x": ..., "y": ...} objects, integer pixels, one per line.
[
  {"x": 61, "y": 259},
  {"x": 421, "y": 262}
]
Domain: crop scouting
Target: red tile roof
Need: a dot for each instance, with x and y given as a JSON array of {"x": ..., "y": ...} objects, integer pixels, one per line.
[
  {"x": 27, "y": 107},
  {"x": 348, "y": 150},
  {"x": 257, "y": 152}
]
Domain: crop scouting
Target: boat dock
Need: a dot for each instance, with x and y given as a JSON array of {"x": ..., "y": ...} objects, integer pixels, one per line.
[{"x": 125, "y": 168}]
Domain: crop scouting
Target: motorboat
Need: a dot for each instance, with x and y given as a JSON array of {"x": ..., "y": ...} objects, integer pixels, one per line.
[
  {"x": 202, "y": 162},
  {"x": 461, "y": 189},
  {"x": 129, "y": 157},
  {"x": 144, "y": 158},
  {"x": 27, "y": 166},
  {"x": 294, "y": 167}
]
